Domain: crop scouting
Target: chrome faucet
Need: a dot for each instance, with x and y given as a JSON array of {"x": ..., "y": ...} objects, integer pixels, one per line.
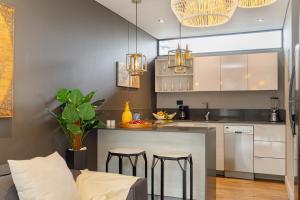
[
  {"x": 207, "y": 116},
  {"x": 207, "y": 113}
]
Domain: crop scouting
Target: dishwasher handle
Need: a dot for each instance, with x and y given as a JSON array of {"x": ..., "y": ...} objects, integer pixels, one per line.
[{"x": 238, "y": 132}]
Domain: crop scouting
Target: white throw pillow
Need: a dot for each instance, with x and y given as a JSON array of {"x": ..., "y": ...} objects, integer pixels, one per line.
[{"x": 44, "y": 178}]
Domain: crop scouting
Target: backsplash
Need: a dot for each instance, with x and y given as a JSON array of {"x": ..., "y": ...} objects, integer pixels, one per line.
[
  {"x": 230, "y": 114},
  {"x": 116, "y": 114}
]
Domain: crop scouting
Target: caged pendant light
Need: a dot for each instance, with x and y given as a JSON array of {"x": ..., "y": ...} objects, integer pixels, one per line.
[
  {"x": 203, "y": 13},
  {"x": 255, "y": 3},
  {"x": 180, "y": 59},
  {"x": 136, "y": 63}
]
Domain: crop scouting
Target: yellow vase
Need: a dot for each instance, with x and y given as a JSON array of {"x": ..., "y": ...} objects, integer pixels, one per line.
[{"x": 127, "y": 114}]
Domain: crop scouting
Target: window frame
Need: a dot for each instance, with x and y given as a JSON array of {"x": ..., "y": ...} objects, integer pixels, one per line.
[{"x": 271, "y": 47}]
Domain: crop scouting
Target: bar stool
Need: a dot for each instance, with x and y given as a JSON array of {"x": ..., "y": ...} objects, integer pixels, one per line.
[
  {"x": 185, "y": 157},
  {"x": 127, "y": 153}
]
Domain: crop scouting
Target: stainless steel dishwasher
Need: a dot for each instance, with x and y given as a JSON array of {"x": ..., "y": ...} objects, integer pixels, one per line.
[{"x": 239, "y": 151}]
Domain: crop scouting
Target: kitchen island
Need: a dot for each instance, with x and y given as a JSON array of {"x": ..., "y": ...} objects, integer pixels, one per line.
[{"x": 200, "y": 142}]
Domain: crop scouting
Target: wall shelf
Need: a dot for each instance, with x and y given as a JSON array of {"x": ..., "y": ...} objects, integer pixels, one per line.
[{"x": 166, "y": 80}]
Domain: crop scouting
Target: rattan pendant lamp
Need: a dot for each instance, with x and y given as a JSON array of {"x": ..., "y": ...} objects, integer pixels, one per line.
[
  {"x": 136, "y": 63},
  {"x": 255, "y": 3},
  {"x": 204, "y": 13}
]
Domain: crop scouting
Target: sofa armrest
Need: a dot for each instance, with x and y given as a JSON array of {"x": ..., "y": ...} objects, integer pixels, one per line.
[{"x": 138, "y": 191}]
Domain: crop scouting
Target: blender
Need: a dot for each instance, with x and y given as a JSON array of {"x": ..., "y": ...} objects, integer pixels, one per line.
[{"x": 274, "y": 116}]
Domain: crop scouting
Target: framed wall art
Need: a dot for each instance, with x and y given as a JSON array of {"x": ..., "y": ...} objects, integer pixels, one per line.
[
  {"x": 124, "y": 79},
  {"x": 6, "y": 60}
]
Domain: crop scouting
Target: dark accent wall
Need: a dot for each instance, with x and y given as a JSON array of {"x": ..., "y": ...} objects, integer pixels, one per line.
[{"x": 66, "y": 43}]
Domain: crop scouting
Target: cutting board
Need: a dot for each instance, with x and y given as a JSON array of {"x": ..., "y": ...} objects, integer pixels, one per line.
[{"x": 136, "y": 126}]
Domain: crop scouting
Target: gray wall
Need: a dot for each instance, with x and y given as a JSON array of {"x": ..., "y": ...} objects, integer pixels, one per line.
[
  {"x": 227, "y": 100},
  {"x": 65, "y": 43}
]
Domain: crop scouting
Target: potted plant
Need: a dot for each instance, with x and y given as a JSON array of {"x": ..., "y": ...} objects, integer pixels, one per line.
[{"x": 77, "y": 117}]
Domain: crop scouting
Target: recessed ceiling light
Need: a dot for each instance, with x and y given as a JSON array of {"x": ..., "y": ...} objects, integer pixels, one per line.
[
  {"x": 260, "y": 19},
  {"x": 161, "y": 21}
]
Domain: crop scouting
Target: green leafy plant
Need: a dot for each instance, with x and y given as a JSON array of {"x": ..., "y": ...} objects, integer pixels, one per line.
[{"x": 77, "y": 115}]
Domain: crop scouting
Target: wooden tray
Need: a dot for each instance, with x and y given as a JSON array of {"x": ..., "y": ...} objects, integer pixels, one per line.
[{"x": 136, "y": 126}]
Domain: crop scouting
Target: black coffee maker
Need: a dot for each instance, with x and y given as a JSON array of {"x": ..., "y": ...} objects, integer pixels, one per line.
[{"x": 184, "y": 112}]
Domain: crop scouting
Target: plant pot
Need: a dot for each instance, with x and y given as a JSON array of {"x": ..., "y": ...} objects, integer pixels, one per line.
[{"x": 77, "y": 159}]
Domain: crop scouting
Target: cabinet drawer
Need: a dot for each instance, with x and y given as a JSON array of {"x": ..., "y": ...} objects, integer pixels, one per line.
[
  {"x": 269, "y": 149},
  {"x": 271, "y": 133},
  {"x": 269, "y": 166}
]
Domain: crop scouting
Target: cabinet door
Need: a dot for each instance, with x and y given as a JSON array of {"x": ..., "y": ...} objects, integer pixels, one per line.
[
  {"x": 270, "y": 133},
  {"x": 234, "y": 73},
  {"x": 219, "y": 145},
  {"x": 263, "y": 71},
  {"x": 207, "y": 73}
]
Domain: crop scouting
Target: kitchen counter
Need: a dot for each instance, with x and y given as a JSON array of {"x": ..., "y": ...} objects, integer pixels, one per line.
[
  {"x": 199, "y": 141},
  {"x": 162, "y": 129},
  {"x": 250, "y": 116},
  {"x": 233, "y": 121}
]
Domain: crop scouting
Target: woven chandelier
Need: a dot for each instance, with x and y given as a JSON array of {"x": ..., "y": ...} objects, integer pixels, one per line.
[
  {"x": 255, "y": 3},
  {"x": 204, "y": 13}
]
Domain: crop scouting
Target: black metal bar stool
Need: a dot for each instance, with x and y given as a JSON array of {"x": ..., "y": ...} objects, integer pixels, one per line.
[
  {"x": 127, "y": 153},
  {"x": 185, "y": 157}
]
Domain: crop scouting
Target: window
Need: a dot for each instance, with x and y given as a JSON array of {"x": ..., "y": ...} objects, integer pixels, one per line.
[{"x": 223, "y": 43}]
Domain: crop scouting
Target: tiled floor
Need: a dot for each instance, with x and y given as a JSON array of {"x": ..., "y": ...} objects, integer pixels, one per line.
[{"x": 236, "y": 189}]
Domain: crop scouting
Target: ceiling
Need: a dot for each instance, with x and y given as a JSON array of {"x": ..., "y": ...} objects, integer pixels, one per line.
[{"x": 151, "y": 11}]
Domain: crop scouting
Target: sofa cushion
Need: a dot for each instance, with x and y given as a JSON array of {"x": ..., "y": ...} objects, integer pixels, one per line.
[{"x": 46, "y": 178}]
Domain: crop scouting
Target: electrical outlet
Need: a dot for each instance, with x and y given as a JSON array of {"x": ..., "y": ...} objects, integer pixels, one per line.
[{"x": 179, "y": 102}]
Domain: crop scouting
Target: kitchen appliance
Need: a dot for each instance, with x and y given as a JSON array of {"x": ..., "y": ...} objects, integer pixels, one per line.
[
  {"x": 239, "y": 152},
  {"x": 274, "y": 115},
  {"x": 184, "y": 112}
]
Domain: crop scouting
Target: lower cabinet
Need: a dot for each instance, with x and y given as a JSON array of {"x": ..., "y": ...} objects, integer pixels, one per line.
[
  {"x": 220, "y": 145},
  {"x": 269, "y": 149},
  {"x": 219, "y": 141},
  {"x": 270, "y": 166}
]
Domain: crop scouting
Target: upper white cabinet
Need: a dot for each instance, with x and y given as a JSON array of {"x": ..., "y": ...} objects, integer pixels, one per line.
[
  {"x": 242, "y": 72},
  {"x": 234, "y": 72},
  {"x": 263, "y": 71},
  {"x": 207, "y": 73}
]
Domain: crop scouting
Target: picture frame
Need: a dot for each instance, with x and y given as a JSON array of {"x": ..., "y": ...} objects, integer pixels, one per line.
[
  {"x": 124, "y": 79},
  {"x": 6, "y": 60}
]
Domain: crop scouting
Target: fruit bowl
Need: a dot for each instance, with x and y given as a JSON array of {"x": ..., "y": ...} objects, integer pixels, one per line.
[{"x": 165, "y": 116}]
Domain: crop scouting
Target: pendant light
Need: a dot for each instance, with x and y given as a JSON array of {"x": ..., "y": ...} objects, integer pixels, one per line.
[
  {"x": 136, "y": 63},
  {"x": 180, "y": 59},
  {"x": 204, "y": 13},
  {"x": 255, "y": 3}
]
